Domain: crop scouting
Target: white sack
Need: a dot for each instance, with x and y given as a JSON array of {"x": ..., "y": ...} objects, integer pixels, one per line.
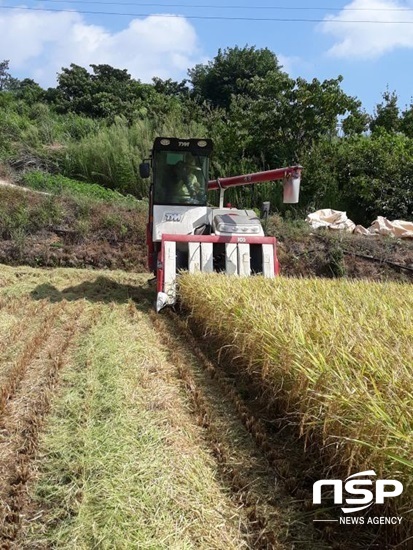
[
  {"x": 332, "y": 219},
  {"x": 396, "y": 228}
]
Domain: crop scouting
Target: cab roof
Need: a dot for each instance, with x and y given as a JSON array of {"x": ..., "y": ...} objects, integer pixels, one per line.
[{"x": 197, "y": 146}]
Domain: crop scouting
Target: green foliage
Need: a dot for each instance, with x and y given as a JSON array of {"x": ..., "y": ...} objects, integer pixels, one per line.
[
  {"x": 289, "y": 116},
  {"x": 171, "y": 88},
  {"x": 28, "y": 91},
  {"x": 406, "y": 121},
  {"x": 319, "y": 185},
  {"x": 108, "y": 93},
  {"x": 376, "y": 176},
  {"x": 82, "y": 228},
  {"x": 111, "y": 157},
  {"x": 15, "y": 219},
  {"x": 73, "y": 90},
  {"x": 277, "y": 120},
  {"x": 281, "y": 122},
  {"x": 26, "y": 126},
  {"x": 58, "y": 184},
  {"x": 366, "y": 176},
  {"x": 230, "y": 73},
  {"x": 76, "y": 127},
  {"x": 356, "y": 122},
  {"x": 335, "y": 261},
  {"x": 21, "y": 215},
  {"x": 387, "y": 114},
  {"x": 314, "y": 108},
  {"x": 98, "y": 125},
  {"x": 4, "y": 74}
]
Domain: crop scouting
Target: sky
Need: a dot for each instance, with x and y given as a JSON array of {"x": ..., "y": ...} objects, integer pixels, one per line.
[{"x": 368, "y": 42}]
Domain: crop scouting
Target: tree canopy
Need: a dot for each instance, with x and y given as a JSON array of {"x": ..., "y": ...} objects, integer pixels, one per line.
[{"x": 230, "y": 73}]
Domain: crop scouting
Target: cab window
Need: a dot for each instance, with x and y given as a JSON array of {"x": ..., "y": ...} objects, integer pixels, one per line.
[{"x": 180, "y": 178}]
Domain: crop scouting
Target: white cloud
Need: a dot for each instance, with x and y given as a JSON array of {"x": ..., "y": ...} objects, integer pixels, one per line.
[
  {"x": 39, "y": 44},
  {"x": 369, "y": 40},
  {"x": 292, "y": 64},
  {"x": 287, "y": 62}
]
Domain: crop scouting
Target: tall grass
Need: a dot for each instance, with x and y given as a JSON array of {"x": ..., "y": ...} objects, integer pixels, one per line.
[
  {"x": 92, "y": 150},
  {"x": 111, "y": 157},
  {"x": 335, "y": 356}
]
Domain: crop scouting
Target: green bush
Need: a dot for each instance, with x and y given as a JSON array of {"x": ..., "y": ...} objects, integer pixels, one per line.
[
  {"x": 21, "y": 215},
  {"x": 58, "y": 184},
  {"x": 368, "y": 176}
]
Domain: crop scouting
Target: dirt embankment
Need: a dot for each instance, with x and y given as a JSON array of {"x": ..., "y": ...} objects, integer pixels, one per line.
[
  {"x": 306, "y": 253},
  {"x": 43, "y": 230}
]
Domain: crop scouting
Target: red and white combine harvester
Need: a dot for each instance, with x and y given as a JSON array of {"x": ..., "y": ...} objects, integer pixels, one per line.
[{"x": 183, "y": 232}]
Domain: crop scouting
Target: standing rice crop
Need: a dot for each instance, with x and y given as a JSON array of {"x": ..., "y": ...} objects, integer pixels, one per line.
[{"x": 335, "y": 356}]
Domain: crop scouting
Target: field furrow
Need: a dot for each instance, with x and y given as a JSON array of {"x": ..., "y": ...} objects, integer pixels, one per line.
[
  {"x": 29, "y": 334},
  {"x": 25, "y": 409}
]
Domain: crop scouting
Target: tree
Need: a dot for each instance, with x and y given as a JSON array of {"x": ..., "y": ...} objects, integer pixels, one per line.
[
  {"x": 279, "y": 118},
  {"x": 314, "y": 110},
  {"x": 28, "y": 90},
  {"x": 356, "y": 122},
  {"x": 106, "y": 75},
  {"x": 386, "y": 114},
  {"x": 230, "y": 73},
  {"x": 170, "y": 87},
  {"x": 73, "y": 92},
  {"x": 406, "y": 121},
  {"x": 106, "y": 92},
  {"x": 4, "y": 74},
  {"x": 375, "y": 176}
]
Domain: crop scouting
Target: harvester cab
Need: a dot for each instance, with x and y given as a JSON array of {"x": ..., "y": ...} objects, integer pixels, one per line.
[{"x": 183, "y": 232}]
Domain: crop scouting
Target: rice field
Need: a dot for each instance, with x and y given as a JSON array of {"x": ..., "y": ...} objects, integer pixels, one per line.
[
  {"x": 335, "y": 357},
  {"x": 111, "y": 436}
]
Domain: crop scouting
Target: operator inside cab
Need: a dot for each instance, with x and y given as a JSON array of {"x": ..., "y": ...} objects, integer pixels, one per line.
[
  {"x": 180, "y": 179},
  {"x": 187, "y": 186}
]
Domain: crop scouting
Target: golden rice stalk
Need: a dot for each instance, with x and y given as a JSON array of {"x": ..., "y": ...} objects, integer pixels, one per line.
[{"x": 336, "y": 355}]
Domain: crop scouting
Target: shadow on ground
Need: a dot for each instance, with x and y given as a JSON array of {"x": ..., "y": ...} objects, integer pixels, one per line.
[{"x": 102, "y": 290}]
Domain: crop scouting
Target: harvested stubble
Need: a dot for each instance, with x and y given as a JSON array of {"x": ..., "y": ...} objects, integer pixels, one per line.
[
  {"x": 335, "y": 355},
  {"x": 119, "y": 461}
]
